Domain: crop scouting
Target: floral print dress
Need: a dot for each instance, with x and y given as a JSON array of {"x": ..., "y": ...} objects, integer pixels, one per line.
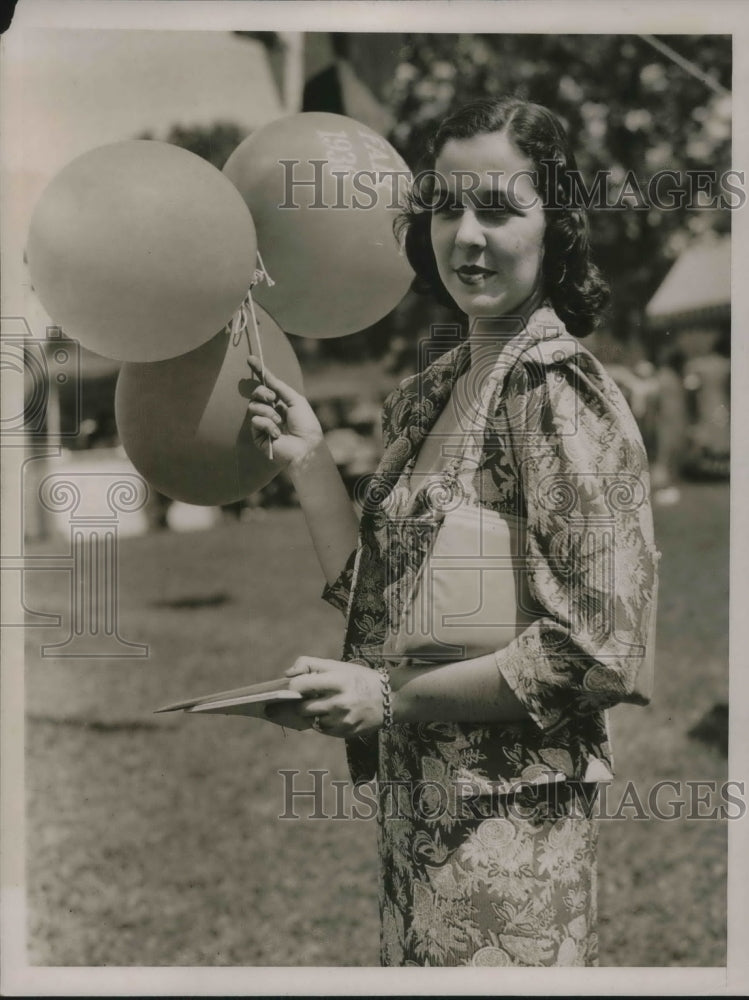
[{"x": 487, "y": 846}]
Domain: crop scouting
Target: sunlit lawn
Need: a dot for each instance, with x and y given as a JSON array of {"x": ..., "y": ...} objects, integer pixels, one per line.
[{"x": 155, "y": 840}]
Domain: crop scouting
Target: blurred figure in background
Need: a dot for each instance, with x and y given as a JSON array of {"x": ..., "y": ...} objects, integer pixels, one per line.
[
  {"x": 707, "y": 381},
  {"x": 671, "y": 431}
]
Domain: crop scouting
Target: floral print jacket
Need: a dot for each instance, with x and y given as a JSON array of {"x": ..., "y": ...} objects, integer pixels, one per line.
[{"x": 561, "y": 447}]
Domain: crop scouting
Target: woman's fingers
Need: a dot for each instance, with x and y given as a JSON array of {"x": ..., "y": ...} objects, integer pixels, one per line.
[
  {"x": 301, "y": 665},
  {"x": 266, "y": 411},
  {"x": 266, "y": 426},
  {"x": 285, "y": 392},
  {"x": 315, "y": 706},
  {"x": 262, "y": 394},
  {"x": 305, "y": 665},
  {"x": 311, "y": 685}
]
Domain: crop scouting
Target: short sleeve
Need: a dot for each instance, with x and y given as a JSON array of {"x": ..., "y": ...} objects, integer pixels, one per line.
[
  {"x": 590, "y": 554},
  {"x": 338, "y": 592}
]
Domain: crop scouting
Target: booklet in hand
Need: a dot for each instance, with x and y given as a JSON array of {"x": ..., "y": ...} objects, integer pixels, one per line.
[{"x": 250, "y": 700}]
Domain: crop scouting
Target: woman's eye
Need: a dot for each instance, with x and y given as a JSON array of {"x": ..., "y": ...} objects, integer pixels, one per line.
[
  {"x": 448, "y": 209},
  {"x": 493, "y": 211}
]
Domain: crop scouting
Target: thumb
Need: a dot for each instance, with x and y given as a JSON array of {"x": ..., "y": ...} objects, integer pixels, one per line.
[{"x": 304, "y": 665}]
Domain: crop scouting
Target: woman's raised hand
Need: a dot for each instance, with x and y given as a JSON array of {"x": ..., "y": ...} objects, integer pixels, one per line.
[{"x": 282, "y": 415}]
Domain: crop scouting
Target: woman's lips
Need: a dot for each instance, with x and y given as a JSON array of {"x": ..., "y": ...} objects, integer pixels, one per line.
[{"x": 472, "y": 274}]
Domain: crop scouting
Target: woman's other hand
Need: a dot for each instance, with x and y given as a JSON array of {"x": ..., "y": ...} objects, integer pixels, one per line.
[
  {"x": 282, "y": 415},
  {"x": 346, "y": 698}
]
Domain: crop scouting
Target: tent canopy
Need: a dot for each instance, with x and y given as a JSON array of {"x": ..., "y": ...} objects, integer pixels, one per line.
[{"x": 699, "y": 282}]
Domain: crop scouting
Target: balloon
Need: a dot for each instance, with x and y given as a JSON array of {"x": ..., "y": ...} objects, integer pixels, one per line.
[
  {"x": 336, "y": 269},
  {"x": 138, "y": 248},
  {"x": 184, "y": 422}
]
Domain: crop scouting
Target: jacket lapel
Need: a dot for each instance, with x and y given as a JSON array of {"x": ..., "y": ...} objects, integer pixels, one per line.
[
  {"x": 411, "y": 410},
  {"x": 409, "y": 414}
]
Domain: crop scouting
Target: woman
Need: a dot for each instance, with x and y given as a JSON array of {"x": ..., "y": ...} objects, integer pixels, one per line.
[{"x": 507, "y": 874}]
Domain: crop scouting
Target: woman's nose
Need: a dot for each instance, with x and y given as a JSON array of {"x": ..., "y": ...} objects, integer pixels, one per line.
[{"x": 470, "y": 232}]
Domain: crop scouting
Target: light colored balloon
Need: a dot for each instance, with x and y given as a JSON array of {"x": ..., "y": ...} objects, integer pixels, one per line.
[
  {"x": 184, "y": 422},
  {"x": 336, "y": 264},
  {"x": 138, "y": 248}
]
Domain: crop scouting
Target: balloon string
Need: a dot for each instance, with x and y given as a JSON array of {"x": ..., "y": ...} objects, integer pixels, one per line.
[
  {"x": 262, "y": 273},
  {"x": 257, "y": 336},
  {"x": 259, "y": 343},
  {"x": 240, "y": 325}
]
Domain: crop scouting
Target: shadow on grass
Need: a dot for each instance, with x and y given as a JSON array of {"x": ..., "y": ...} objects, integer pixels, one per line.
[
  {"x": 194, "y": 602},
  {"x": 96, "y": 725}
]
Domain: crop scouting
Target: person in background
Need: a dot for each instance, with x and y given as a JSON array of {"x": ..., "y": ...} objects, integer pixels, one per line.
[{"x": 671, "y": 431}]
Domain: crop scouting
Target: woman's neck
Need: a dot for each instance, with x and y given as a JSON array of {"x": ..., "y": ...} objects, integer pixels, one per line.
[{"x": 487, "y": 334}]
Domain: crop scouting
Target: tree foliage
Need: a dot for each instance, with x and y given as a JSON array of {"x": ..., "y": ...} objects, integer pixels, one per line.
[
  {"x": 628, "y": 109},
  {"x": 214, "y": 143}
]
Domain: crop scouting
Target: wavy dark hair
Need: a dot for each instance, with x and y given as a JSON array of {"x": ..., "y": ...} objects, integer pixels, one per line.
[{"x": 572, "y": 282}]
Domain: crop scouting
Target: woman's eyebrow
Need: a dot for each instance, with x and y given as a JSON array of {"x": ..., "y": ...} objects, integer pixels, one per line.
[
  {"x": 493, "y": 197},
  {"x": 483, "y": 196}
]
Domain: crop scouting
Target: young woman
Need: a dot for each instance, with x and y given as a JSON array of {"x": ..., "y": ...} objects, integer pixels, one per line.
[{"x": 517, "y": 420}]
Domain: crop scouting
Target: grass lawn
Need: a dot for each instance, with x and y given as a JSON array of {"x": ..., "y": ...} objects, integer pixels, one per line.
[{"x": 155, "y": 840}]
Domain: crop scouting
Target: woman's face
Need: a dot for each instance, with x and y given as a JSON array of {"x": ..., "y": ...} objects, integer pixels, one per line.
[{"x": 488, "y": 242}]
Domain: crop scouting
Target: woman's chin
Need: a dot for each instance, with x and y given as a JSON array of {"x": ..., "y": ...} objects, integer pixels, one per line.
[
  {"x": 474, "y": 302},
  {"x": 478, "y": 306}
]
